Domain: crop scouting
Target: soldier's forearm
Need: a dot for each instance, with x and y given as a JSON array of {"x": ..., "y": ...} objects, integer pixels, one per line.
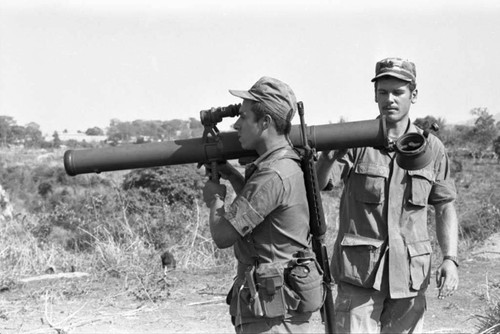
[
  {"x": 237, "y": 182},
  {"x": 447, "y": 228},
  {"x": 323, "y": 169},
  {"x": 223, "y": 233}
]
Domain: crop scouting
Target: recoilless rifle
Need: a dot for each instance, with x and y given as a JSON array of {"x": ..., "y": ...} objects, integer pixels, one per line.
[{"x": 216, "y": 146}]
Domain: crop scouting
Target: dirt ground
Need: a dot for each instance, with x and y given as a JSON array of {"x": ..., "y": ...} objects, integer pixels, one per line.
[{"x": 195, "y": 302}]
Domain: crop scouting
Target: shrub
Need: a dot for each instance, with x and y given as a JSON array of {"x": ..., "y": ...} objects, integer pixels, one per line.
[
  {"x": 490, "y": 322},
  {"x": 177, "y": 184},
  {"x": 480, "y": 222}
]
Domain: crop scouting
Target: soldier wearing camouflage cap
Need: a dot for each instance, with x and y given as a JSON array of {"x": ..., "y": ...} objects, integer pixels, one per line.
[
  {"x": 268, "y": 222},
  {"x": 382, "y": 255}
]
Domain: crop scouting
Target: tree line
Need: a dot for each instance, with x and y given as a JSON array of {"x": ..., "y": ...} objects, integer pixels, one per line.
[
  {"x": 481, "y": 136},
  {"x": 138, "y": 131},
  {"x": 475, "y": 139}
]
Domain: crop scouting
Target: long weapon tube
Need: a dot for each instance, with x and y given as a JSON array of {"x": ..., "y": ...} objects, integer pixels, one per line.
[
  {"x": 317, "y": 224},
  {"x": 195, "y": 150}
]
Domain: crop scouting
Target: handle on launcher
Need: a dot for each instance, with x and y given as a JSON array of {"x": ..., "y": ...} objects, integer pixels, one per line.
[{"x": 214, "y": 175}]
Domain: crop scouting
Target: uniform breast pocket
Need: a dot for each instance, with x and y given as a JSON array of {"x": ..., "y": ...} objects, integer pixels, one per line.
[
  {"x": 421, "y": 185},
  {"x": 368, "y": 183}
]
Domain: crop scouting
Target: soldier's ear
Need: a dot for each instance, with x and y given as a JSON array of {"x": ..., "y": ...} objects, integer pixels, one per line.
[
  {"x": 414, "y": 96},
  {"x": 267, "y": 120}
]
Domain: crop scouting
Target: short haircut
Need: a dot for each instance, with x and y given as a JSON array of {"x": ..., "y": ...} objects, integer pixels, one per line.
[{"x": 283, "y": 127}]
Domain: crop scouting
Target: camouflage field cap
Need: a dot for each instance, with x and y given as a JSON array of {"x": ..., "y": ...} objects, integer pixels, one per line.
[
  {"x": 396, "y": 67},
  {"x": 276, "y": 95}
]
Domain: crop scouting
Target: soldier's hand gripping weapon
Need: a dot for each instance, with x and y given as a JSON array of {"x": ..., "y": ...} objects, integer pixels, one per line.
[{"x": 212, "y": 135}]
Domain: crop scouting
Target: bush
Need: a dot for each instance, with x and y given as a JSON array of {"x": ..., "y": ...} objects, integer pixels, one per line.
[
  {"x": 177, "y": 184},
  {"x": 480, "y": 222}
]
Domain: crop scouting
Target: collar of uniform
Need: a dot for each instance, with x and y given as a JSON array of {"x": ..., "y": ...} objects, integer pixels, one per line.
[
  {"x": 251, "y": 168},
  {"x": 268, "y": 153},
  {"x": 413, "y": 128}
]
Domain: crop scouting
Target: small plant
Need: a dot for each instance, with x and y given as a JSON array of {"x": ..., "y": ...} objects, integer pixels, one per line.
[{"x": 490, "y": 323}]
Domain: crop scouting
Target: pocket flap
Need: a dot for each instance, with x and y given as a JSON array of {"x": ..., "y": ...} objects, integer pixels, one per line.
[
  {"x": 425, "y": 173},
  {"x": 420, "y": 248},
  {"x": 372, "y": 169},
  {"x": 357, "y": 240}
]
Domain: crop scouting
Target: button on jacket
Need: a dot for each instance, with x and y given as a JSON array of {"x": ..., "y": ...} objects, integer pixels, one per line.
[{"x": 383, "y": 218}]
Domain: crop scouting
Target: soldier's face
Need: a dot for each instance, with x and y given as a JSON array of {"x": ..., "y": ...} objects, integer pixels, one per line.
[
  {"x": 249, "y": 129},
  {"x": 394, "y": 99}
]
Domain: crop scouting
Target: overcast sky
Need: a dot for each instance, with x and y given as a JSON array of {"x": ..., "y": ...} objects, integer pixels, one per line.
[{"x": 75, "y": 64}]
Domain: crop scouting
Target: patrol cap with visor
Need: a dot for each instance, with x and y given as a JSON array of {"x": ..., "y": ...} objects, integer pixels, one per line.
[
  {"x": 276, "y": 95},
  {"x": 397, "y": 68}
]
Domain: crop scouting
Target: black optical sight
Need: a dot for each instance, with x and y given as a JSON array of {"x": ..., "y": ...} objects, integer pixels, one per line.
[{"x": 215, "y": 115}]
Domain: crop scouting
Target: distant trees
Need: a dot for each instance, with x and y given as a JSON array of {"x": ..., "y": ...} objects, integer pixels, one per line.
[
  {"x": 95, "y": 131},
  {"x": 12, "y": 133},
  {"x": 33, "y": 135},
  {"x": 496, "y": 147},
  {"x": 476, "y": 138},
  {"x": 138, "y": 131},
  {"x": 484, "y": 130},
  {"x": 6, "y": 123},
  {"x": 56, "y": 140},
  {"x": 155, "y": 130}
]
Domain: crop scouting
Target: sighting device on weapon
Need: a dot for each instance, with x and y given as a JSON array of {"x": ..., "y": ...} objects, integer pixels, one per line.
[
  {"x": 209, "y": 118},
  {"x": 211, "y": 134}
]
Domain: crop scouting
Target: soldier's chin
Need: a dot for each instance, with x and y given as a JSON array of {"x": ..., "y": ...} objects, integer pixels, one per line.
[
  {"x": 392, "y": 118},
  {"x": 243, "y": 145}
]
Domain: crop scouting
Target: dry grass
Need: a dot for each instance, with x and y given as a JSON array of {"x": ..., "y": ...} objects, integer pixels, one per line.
[{"x": 132, "y": 258}]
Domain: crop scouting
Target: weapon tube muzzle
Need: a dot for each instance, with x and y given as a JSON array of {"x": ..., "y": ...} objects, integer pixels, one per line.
[
  {"x": 196, "y": 150},
  {"x": 413, "y": 149}
]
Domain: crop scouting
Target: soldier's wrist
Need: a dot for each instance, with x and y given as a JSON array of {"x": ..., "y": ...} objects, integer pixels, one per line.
[{"x": 451, "y": 258}]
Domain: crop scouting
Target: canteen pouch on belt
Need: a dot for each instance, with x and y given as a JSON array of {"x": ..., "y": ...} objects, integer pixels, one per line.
[
  {"x": 271, "y": 286},
  {"x": 305, "y": 277}
]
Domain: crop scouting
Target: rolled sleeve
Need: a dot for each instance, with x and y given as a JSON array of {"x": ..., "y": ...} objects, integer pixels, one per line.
[
  {"x": 443, "y": 189},
  {"x": 442, "y": 192},
  {"x": 243, "y": 216},
  {"x": 259, "y": 197}
]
